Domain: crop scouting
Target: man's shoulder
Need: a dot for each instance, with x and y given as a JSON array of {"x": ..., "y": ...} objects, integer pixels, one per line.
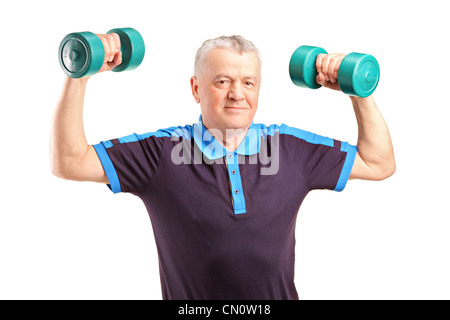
[
  {"x": 295, "y": 133},
  {"x": 279, "y": 128},
  {"x": 169, "y": 132},
  {"x": 264, "y": 130}
]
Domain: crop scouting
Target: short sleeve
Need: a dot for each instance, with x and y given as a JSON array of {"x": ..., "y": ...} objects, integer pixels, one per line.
[
  {"x": 130, "y": 162},
  {"x": 325, "y": 163}
]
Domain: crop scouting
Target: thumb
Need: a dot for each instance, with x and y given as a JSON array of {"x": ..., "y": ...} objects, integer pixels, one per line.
[{"x": 320, "y": 79}]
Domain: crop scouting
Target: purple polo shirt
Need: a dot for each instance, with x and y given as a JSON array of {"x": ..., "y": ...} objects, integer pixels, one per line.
[{"x": 224, "y": 222}]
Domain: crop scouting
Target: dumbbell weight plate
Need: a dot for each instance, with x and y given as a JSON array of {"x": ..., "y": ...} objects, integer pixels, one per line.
[
  {"x": 359, "y": 74},
  {"x": 81, "y": 54},
  {"x": 302, "y": 67},
  {"x": 132, "y": 47}
]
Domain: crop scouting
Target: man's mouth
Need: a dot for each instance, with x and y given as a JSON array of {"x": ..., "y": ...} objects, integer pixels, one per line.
[{"x": 235, "y": 108}]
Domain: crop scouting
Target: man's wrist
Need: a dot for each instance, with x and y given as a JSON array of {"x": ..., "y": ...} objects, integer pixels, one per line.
[
  {"x": 359, "y": 101},
  {"x": 80, "y": 81}
]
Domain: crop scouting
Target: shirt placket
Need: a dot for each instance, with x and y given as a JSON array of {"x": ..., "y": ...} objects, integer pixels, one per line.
[{"x": 234, "y": 175}]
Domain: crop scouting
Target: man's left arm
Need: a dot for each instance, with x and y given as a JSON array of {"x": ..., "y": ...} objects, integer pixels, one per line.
[{"x": 375, "y": 157}]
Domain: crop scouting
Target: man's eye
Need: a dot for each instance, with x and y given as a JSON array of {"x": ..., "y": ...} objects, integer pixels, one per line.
[{"x": 248, "y": 83}]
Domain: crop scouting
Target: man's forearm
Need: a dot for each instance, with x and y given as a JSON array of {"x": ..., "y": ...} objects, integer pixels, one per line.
[
  {"x": 67, "y": 141},
  {"x": 374, "y": 141}
]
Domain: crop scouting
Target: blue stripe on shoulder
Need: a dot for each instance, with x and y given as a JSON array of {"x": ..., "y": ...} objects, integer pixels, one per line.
[
  {"x": 298, "y": 133},
  {"x": 177, "y": 132},
  {"x": 306, "y": 135}
]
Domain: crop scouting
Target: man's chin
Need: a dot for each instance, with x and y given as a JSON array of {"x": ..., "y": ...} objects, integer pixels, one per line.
[{"x": 237, "y": 123}]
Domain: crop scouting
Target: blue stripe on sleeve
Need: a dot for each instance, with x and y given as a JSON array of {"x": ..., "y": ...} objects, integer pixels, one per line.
[
  {"x": 348, "y": 165},
  {"x": 108, "y": 167}
]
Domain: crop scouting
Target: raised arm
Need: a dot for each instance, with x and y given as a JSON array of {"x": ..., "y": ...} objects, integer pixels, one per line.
[
  {"x": 70, "y": 155},
  {"x": 375, "y": 157}
]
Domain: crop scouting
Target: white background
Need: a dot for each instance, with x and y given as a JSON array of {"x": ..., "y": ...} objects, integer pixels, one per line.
[{"x": 77, "y": 240}]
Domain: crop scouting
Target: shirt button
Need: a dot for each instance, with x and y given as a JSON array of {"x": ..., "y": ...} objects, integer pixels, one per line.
[
  {"x": 236, "y": 191},
  {"x": 233, "y": 171},
  {"x": 230, "y": 155}
]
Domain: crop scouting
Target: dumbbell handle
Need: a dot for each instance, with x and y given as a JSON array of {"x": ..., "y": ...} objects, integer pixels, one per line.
[
  {"x": 111, "y": 46},
  {"x": 111, "y": 43}
]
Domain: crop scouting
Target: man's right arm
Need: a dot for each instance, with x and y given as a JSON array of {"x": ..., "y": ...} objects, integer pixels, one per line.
[{"x": 71, "y": 157}]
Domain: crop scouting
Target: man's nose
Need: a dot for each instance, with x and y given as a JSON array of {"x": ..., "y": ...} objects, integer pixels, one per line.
[{"x": 236, "y": 92}]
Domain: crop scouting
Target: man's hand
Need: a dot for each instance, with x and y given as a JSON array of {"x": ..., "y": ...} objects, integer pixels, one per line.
[
  {"x": 327, "y": 66},
  {"x": 113, "y": 55}
]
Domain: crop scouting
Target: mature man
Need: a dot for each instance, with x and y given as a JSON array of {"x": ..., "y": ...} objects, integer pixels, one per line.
[{"x": 222, "y": 194}]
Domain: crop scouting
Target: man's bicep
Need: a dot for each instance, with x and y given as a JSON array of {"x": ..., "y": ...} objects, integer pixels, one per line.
[
  {"x": 365, "y": 171},
  {"x": 90, "y": 168},
  {"x": 361, "y": 170}
]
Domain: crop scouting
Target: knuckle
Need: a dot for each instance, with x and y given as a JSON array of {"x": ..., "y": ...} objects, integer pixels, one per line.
[
  {"x": 106, "y": 46},
  {"x": 111, "y": 39}
]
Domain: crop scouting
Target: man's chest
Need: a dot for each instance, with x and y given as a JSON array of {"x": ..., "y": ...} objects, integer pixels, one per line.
[{"x": 209, "y": 194}]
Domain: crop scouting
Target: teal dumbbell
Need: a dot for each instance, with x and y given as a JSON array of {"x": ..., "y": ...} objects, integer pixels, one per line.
[
  {"x": 358, "y": 73},
  {"x": 82, "y": 54}
]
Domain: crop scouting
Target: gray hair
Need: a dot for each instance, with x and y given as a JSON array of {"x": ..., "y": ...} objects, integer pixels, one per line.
[{"x": 234, "y": 43}]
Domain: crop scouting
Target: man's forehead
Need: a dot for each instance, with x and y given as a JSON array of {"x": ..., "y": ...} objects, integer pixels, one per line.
[
  {"x": 224, "y": 62},
  {"x": 219, "y": 54}
]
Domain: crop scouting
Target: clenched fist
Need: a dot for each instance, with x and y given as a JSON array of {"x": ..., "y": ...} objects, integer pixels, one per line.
[
  {"x": 327, "y": 66},
  {"x": 113, "y": 55}
]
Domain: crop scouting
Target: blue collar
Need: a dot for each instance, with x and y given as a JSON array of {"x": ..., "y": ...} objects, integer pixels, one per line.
[{"x": 213, "y": 149}]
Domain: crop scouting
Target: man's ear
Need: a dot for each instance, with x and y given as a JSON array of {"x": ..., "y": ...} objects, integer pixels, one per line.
[{"x": 194, "y": 87}]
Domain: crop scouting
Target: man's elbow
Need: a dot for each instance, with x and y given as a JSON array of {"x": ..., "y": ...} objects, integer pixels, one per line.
[
  {"x": 54, "y": 168},
  {"x": 58, "y": 172},
  {"x": 61, "y": 170},
  {"x": 386, "y": 171}
]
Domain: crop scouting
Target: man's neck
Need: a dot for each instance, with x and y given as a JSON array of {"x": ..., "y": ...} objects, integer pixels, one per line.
[
  {"x": 233, "y": 138},
  {"x": 229, "y": 138}
]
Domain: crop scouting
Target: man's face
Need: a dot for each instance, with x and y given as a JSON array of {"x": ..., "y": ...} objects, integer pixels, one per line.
[{"x": 228, "y": 89}]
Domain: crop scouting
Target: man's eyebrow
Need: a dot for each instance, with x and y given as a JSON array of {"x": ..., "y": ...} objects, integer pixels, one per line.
[
  {"x": 225, "y": 75},
  {"x": 222, "y": 75}
]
